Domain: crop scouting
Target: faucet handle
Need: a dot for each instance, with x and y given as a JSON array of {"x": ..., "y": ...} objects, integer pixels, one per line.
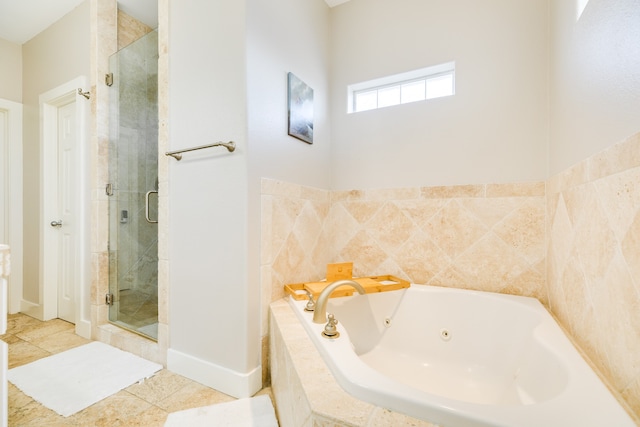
[
  {"x": 330, "y": 330},
  {"x": 311, "y": 304}
]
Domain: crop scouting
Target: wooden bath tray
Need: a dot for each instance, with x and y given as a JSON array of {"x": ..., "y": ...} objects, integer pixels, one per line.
[{"x": 371, "y": 284}]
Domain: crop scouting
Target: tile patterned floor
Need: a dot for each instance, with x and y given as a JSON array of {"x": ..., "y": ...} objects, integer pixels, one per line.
[{"x": 145, "y": 404}]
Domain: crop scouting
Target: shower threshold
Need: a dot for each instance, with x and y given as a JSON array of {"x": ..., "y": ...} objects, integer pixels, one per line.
[{"x": 149, "y": 331}]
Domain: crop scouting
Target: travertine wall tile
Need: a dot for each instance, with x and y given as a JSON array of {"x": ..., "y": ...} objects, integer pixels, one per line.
[
  {"x": 449, "y": 236},
  {"x": 516, "y": 190},
  {"x": 103, "y": 44},
  {"x": 383, "y": 194},
  {"x": 346, "y": 195},
  {"x": 593, "y": 258},
  {"x": 130, "y": 29},
  {"x": 294, "y": 240},
  {"x": 266, "y": 232},
  {"x": 447, "y": 192},
  {"x": 365, "y": 253},
  {"x": 310, "y": 193},
  {"x": 615, "y": 159}
]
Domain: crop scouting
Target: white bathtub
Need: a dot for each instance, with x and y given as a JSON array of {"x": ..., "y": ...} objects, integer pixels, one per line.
[{"x": 462, "y": 358}]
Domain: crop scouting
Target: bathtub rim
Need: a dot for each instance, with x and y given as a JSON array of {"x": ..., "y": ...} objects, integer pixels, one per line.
[
  {"x": 320, "y": 400},
  {"x": 448, "y": 412}
]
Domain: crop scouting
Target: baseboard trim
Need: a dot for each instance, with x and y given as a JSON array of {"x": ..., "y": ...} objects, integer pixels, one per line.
[
  {"x": 83, "y": 328},
  {"x": 218, "y": 377},
  {"x": 31, "y": 309}
]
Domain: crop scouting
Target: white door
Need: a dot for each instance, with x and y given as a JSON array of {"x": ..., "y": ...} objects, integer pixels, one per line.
[
  {"x": 64, "y": 263},
  {"x": 67, "y": 208}
]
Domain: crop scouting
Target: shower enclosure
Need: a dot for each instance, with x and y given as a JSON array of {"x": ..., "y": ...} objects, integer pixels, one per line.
[{"x": 133, "y": 187}]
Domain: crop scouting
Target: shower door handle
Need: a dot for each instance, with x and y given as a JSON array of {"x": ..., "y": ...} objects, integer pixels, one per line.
[{"x": 146, "y": 207}]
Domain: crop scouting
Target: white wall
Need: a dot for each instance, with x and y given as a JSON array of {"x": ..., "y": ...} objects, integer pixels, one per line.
[
  {"x": 284, "y": 36},
  {"x": 10, "y": 71},
  {"x": 213, "y": 314},
  {"x": 287, "y": 36},
  {"x": 595, "y": 78},
  {"x": 214, "y": 196},
  {"x": 494, "y": 130},
  {"x": 56, "y": 56}
]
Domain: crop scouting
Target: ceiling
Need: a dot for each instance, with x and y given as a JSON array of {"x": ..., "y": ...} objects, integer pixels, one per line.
[{"x": 21, "y": 20}]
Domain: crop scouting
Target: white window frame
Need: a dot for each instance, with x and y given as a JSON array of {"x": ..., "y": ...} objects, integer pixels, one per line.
[{"x": 423, "y": 74}]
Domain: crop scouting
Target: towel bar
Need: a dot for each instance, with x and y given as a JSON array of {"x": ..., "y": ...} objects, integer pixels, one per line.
[{"x": 231, "y": 146}]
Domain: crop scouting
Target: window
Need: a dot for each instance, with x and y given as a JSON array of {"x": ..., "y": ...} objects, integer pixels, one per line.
[{"x": 418, "y": 85}]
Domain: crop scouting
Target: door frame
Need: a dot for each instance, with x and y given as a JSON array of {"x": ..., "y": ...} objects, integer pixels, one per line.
[
  {"x": 12, "y": 195},
  {"x": 50, "y": 102}
]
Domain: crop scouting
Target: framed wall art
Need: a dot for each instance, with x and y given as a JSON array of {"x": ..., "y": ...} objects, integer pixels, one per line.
[{"x": 300, "y": 108}]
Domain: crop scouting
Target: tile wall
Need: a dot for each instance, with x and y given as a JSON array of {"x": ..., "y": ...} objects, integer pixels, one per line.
[
  {"x": 572, "y": 242},
  {"x": 487, "y": 237},
  {"x": 593, "y": 256},
  {"x": 295, "y": 238},
  {"x": 103, "y": 45}
]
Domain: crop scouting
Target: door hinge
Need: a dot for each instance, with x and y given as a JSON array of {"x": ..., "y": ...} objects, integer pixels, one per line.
[
  {"x": 109, "y": 190},
  {"x": 109, "y": 299},
  {"x": 108, "y": 79}
]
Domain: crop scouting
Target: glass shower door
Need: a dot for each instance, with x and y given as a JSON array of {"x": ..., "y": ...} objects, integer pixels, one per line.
[{"x": 133, "y": 186}]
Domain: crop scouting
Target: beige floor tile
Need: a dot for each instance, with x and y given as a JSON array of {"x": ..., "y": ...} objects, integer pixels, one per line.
[
  {"x": 19, "y": 322},
  {"x": 152, "y": 417},
  {"x": 60, "y": 342},
  {"x": 34, "y": 414},
  {"x": 22, "y": 352},
  {"x": 17, "y": 399},
  {"x": 115, "y": 410},
  {"x": 45, "y": 329},
  {"x": 159, "y": 387},
  {"x": 193, "y": 395},
  {"x": 10, "y": 339}
]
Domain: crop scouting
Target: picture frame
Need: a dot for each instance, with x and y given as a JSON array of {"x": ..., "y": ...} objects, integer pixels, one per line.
[{"x": 300, "y": 109}]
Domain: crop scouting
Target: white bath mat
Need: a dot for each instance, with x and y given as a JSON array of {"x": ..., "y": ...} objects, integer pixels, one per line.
[
  {"x": 251, "y": 412},
  {"x": 70, "y": 381}
]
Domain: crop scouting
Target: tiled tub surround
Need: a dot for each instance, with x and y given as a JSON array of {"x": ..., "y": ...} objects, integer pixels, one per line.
[
  {"x": 593, "y": 257},
  {"x": 294, "y": 238},
  {"x": 577, "y": 250},
  {"x": 483, "y": 237},
  {"x": 304, "y": 389}
]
